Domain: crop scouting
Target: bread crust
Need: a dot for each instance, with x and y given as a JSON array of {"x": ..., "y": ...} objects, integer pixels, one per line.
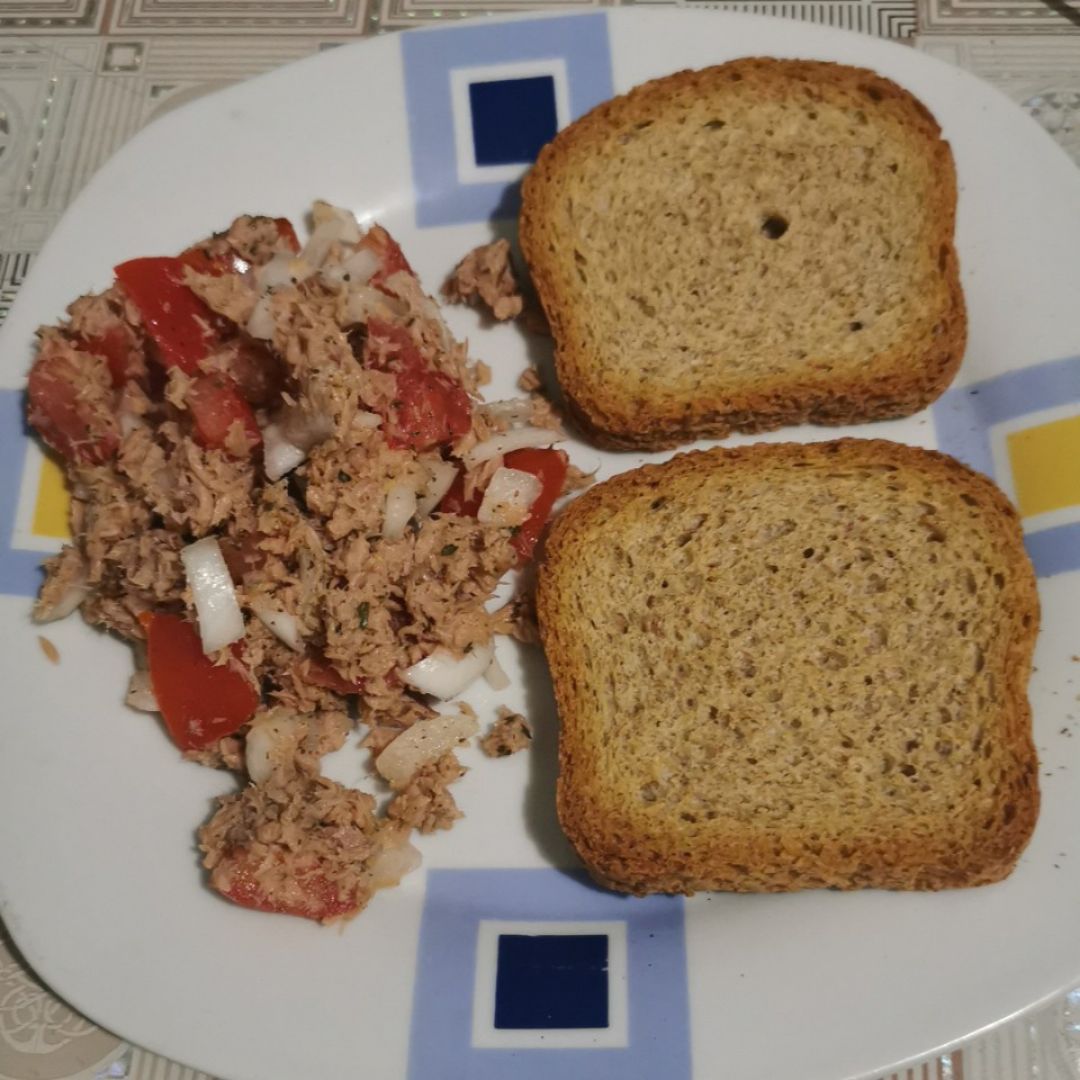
[
  {"x": 893, "y": 383},
  {"x": 930, "y": 854}
]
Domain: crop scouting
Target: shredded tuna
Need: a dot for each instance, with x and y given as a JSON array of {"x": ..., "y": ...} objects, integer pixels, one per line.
[
  {"x": 486, "y": 275},
  {"x": 509, "y": 734},
  {"x": 426, "y": 804},
  {"x": 299, "y": 845},
  {"x": 163, "y": 452},
  {"x": 529, "y": 380}
]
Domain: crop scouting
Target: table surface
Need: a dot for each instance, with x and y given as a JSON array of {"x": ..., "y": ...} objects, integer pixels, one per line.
[{"x": 79, "y": 77}]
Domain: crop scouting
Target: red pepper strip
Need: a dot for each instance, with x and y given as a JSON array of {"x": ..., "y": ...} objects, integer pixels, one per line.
[
  {"x": 215, "y": 405},
  {"x": 317, "y": 899},
  {"x": 548, "y": 466},
  {"x": 429, "y": 409},
  {"x": 200, "y": 701},
  {"x": 287, "y": 233},
  {"x": 182, "y": 327}
]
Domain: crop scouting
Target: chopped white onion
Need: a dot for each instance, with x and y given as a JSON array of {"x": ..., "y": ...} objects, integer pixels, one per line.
[
  {"x": 275, "y": 272},
  {"x": 326, "y": 215},
  {"x": 363, "y": 302},
  {"x": 444, "y": 675},
  {"x": 400, "y": 507},
  {"x": 305, "y": 428},
  {"x": 281, "y": 624},
  {"x": 495, "y": 677},
  {"x": 279, "y": 455},
  {"x": 506, "y": 441},
  {"x": 354, "y": 271},
  {"x": 512, "y": 410},
  {"x": 271, "y": 741},
  {"x": 388, "y": 866},
  {"x": 441, "y": 475},
  {"x": 130, "y": 422},
  {"x": 75, "y": 592},
  {"x": 426, "y": 741},
  {"x": 365, "y": 419},
  {"x": 508, "y": 497},
  {"x": 218, "y": 610},
  {"x": 260, "y": 322},
  {"x": 140, "y": 694}
]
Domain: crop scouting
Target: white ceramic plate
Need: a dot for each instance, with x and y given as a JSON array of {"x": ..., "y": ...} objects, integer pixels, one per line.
[{"x": 100, "y": 882}]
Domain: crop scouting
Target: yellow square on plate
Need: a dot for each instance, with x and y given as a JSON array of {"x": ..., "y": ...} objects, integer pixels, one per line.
[
  {"x": 1045, "y": 464},
  {"x": 53, "y": 501}
]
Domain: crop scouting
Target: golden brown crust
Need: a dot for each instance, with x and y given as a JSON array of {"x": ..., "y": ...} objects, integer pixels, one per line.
[
  {"x": 933, "y": 852},
  {"x": 893, "y": 383}
]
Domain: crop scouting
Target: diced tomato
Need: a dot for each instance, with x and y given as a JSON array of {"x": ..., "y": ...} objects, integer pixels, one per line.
[
  {"x": 215, "y": 405},
  {"x": 454, "y": 501},
  {"x": 318, "y": 899},
  {"x": 122, "y": 350},
  {"x": 200, "y": 701},
  {"x": 430, "y": 408},
  {"x": 287, "y": 233},
  {"x": 182, "y": 327},
  {"x": 318, "y": 672},
  {"x": 391, "y": 258},
  {"x": 258, "y": 372},
  {"x": 242, "y": 555},
  {"x": 549, "y": 467},
  {"x": 65, "y": 411},
  {"x": 225, "y": 261}
]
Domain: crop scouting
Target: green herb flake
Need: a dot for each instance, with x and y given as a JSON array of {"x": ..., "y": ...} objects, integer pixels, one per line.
[
  {"x": 449, "y": 549},
  {"x": 362, "y": 614},
  {"x": 343, "y": 477},
  {"x": 515, "y": 529}
]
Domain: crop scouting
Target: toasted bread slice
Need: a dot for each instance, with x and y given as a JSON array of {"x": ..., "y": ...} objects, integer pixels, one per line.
[
  {"x": 762, "y": 243},
  {"x": 788, "y": 666}
]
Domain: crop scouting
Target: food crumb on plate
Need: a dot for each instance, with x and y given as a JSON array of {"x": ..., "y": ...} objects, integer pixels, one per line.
[{"x": 52, "y": 653}]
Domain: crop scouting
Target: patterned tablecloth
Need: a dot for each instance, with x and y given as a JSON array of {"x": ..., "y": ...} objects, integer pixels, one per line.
[{"x": 79, "y": 77}]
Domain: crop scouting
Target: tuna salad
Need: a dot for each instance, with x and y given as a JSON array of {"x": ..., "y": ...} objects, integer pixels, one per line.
[{"x": 288, "y": 495}]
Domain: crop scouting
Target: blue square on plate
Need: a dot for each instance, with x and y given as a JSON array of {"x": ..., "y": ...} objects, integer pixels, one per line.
[
  {"x": 512, "y": 118},
  {"x": 552, "y": 981}
]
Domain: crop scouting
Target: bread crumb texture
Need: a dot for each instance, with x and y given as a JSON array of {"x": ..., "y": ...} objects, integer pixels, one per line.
[
  {"x": 761, "y": 243},
  {"x": 791, "y": 666}
]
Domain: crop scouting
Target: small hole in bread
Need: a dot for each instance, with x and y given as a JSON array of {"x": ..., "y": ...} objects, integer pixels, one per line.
[
  {"x": 873, "y": 93},
  {"x": 714, "y": 125},
  {"x": 774, "y": 226},
  {"x": 854, "y": 326}
]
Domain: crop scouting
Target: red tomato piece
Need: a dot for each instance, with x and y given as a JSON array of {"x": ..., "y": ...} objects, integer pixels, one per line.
[
  {"x": 223, "y": 262},
  {"x": 182, "y": 327},
  {"x": 549, "y": 467},
  {"x": 242, "y": 555},
  {"x": 318, "y": 672},
  {"x": 258, "y": 372},
  {"x": 287, "y": 233},
  {"x": 121, "y": 349},
  {"x": 318, "y": 899},
  {"x": 430, "y": 408},
  {"x": 391, "y": 258},
  {"x": 71, "y": 412},
  {"x": 215, "y": 405},
  {"x": 200, "y": 701},
  {"x": 454, "y": 501}
]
